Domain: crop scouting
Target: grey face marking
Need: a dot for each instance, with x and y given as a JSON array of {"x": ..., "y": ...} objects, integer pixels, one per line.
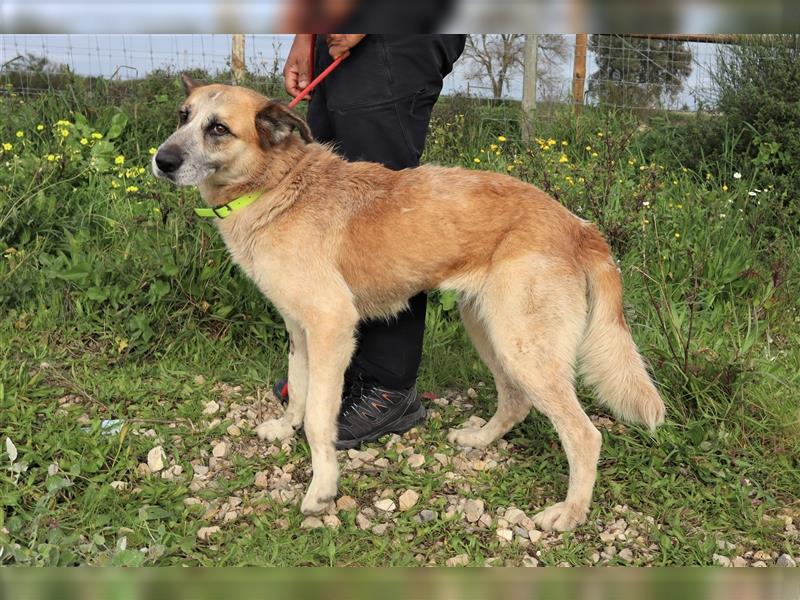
[{"x": 189, "y": 141}]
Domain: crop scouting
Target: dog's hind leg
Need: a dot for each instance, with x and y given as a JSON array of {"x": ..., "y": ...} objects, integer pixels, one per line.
[
  {"x": 283, "y": 428},
  {"x": 512, "y": 404},
  {"x": 330, "y": 341},
  {"x": 535, "y": 311}
]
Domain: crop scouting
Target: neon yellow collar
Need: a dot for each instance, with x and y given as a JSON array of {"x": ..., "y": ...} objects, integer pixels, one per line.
[{"x": 226, "y": 210}]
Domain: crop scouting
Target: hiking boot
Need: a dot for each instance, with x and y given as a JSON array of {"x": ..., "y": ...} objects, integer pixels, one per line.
[{"x": 370, "y": 411}]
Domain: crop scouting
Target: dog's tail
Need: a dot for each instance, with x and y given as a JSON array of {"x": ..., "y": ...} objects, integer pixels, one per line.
[{"x": 609, "y": 359}]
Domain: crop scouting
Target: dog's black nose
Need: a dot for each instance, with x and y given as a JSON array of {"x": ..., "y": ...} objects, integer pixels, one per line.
[{"x": 169, "y": 159}]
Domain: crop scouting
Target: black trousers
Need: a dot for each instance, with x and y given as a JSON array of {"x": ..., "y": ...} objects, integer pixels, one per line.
[{"x": 376, "y": 106}]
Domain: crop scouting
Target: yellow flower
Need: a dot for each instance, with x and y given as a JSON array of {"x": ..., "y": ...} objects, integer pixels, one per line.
[
  {"x": 114, "y": 183},
  {"x": 510, "y": 168},
  {"x": 708, "y": 176},
  {"x": 594, "y": 155},
  {"x": 153, "y": 151},
  {"x": 599, "y": 134},
  {"x": 120, "y": 160},
  {"x": 724, "y": 188},
  {"x": 476, "y": 160},
  {"x": 84, "y": 141},
  {"x": 51, "y": 157},
  {"x": 63, "y": 132},
  {"x": 39, "y": 127},
  {"x": 121, "y": 344},
  {"x": 493, "y": 146},
  {"x": 588, "y": 148},
  {"x": 563, "y": 158},
  {"x": 677, "y": 235},
  {"x": 8, "y": 147},
  {"x": 501, "y": 138},
  {"x": 97, "y": 136},
  {"x": 131, "y": 189},
  {"x": 140, "y": 171},
  {"x": 63, "y": 123},
  {"x": 20, "y": 134},
  {"x": 631, "y": 162},
  {"x": 564, "y": 143},
  {"x": 679, "y": 206},
  {"x": 551, "y": 142}
]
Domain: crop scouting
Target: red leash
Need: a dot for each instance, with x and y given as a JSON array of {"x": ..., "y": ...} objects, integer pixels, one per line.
[{"x": 307, "y": 90}]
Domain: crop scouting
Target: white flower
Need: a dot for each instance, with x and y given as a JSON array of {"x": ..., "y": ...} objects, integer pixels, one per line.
[
  {"x": 737, "y": 175},
  {"x": 645, "y": 203},
  {"x": 751, "y": 193},
  {"x": 722, "y": 215}
]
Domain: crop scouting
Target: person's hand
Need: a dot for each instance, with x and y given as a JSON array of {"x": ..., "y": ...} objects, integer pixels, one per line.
[
  {"x": 297, "y": 70},
  {"x": 340, "y": 43}
]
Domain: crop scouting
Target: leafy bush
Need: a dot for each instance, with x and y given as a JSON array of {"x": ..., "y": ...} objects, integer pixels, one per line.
[{"x": 755, "y": 128}]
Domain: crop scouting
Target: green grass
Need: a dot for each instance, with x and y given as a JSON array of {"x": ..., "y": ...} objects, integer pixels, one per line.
[{"x": 114, "y": 301}]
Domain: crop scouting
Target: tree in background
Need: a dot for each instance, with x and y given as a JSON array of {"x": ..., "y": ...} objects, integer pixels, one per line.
[
  {"x": 758, "y": 93},
  {"x": 499, "y": 58},
  {"x": 637, "y": 72}
]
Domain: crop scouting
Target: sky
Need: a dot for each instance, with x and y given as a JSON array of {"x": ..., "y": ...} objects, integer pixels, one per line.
[{"x": 134, "y": 55}]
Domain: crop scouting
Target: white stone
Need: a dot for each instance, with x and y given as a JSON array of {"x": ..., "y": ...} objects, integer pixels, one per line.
[
  {"x": 331, "y": 521},
  {"x": 785, "y": 560},
  {"x": 408, "y": 499},
  {"x": 346, "y": 504},
  {"x": 473, "y": 510},
  {"x": 362, "y": 521},
  {"x": 311, "y": 523},
  {"x": 155, "y": 459},
  {"x": 220, "y": 450},
  {"x": 211, "y": 407},
  {"x": 534, "y": 535},
  {"x": 722, "y": 561},
  {"x": 505, "y": 535},
  {"x": 386, "y": 505},
  {"x": 457, "y": 561},
  {"x": 529, "y": 561},
  {"x": 415, "y": 461},
  {"x": 204, "y": 534},
  {"x": 514, "y": 516}
]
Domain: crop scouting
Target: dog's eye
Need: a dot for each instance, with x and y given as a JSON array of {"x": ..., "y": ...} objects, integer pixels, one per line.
[
  {"x": 183, "y": 116},
  {"x": 219, "y": 129}
]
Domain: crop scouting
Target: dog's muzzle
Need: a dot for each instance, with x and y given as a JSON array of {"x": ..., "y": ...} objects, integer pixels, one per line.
[{"x": 169, "y": 159}]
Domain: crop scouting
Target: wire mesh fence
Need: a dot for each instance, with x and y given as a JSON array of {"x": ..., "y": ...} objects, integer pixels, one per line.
[{"x": 633, "y": 72}]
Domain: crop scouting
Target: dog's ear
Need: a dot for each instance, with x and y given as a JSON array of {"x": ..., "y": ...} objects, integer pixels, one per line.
[
  {"x": 275, "y": 121},
  {"x": 189, "y": 84}
]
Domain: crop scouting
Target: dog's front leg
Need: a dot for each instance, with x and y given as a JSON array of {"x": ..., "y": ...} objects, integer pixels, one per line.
[
  {"x": 330, "y": 346},
  {"x": 284, "y": 428}
]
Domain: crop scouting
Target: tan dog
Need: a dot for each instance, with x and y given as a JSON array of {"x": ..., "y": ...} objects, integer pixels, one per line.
[{"x": 331, "y": 242}]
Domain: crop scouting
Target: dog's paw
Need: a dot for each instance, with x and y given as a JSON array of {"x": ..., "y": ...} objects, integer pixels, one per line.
[
  {"x": 562, "y": 516},
  {"x": 317, "y": 501},
  {"x": 275, "y": 430},
  {"x": 471, "y": 438}
]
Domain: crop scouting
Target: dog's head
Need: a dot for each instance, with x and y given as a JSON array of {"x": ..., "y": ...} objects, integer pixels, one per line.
[{"x": 223, "y": 132}]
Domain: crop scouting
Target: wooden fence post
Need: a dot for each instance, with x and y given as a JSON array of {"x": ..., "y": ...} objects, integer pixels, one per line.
[
  {"x": 237, "y": 57},
  {"x": 579, "y": 70},
  {"x": 529, "y": 74}
]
